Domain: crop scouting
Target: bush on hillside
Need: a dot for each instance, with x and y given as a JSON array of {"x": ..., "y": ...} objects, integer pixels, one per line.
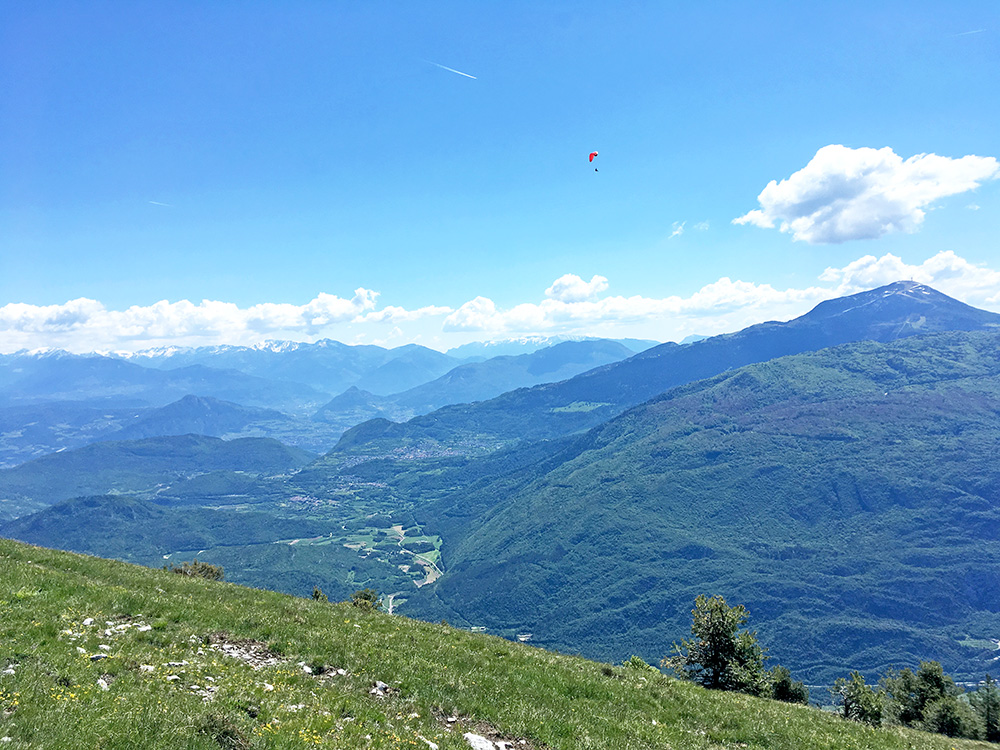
[
  {"x": 196, "y": 569},
  {"x": 784, "y": 688},
  {"x": 637, "y": 663},
  {"x": 367, "y": 600},
  {"x": 952, "y": 716},
  {"x": 929, "y": 699}
]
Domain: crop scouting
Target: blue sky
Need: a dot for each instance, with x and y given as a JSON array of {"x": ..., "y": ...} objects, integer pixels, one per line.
[{"x": 227, "y": 172}]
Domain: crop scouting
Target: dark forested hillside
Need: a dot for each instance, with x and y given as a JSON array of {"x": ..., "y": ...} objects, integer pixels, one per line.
[
  {"x": 140, "y": 531},
  {"x": 849, "y": 497}
]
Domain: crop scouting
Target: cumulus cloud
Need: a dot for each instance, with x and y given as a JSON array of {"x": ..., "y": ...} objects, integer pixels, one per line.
[
  {"x": 722, "y": 305},
  {"x": 568, "y": 306},
  {"x": 571, "y": 288},
  {"x": 590, "y": 315},
  {"x": 86, "y": 325},
  {"x": 847, "y": 194},
  {"x": 479, "y": 314},
  {"x": 394, "y": 314},
  {"x": 945, "y": 271}
]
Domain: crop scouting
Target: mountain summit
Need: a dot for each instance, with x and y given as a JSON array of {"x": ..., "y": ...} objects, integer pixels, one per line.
[{"x": 903, "y": 308}]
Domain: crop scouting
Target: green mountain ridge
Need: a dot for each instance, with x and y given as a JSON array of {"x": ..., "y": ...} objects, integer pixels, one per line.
[{"x": 136, "y": 530}]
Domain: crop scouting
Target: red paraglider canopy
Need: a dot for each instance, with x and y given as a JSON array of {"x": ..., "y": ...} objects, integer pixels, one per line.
[{"x": 592, "y": 155}]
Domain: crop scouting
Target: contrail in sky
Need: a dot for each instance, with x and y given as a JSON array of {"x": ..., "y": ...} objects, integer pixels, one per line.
[
  {"x": 445, "y": 67},
  {"x": 966, "y": 33},
  {"x": 157, "y": 203}
]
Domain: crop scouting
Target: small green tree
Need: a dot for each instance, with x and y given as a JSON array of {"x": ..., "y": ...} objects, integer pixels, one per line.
[
  {"x": 903, "y": 703},
  {"x": 784, "y": 688},
  {"x": 720, "y": 656},
  {"x": 318, "y": 594},
  {"x": 366, "y": 599},
  {"x": 908, "y": 694},
  {"x": 986, "y": 702},
  {"x": 933, "y": 684},
  {"x": 952, "y": 716},
  {"x": 858, "y": 701}
]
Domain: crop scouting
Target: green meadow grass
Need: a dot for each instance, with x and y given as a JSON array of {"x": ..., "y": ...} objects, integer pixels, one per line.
[{"x": 162, "y": 657}]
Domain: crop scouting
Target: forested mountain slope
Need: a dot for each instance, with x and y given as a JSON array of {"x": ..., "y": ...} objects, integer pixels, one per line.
[{"x": 849, "y": 497}]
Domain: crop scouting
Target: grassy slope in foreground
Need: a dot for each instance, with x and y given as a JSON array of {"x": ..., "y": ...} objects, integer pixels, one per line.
[{"x": 53, "y": 698}]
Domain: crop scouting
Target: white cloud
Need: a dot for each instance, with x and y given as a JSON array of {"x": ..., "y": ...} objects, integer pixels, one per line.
[
  {"x": 86, "y": 325},
  {"x": 946, "y": 272},
  {"x": 571, "y": 288},
  {"x": 720, "y": 300},
  {"x": 569, "y": 306},
  {"x": 678, "y": 229},
  {"x": 723, "y": 305},
  {"x": 479, "y": 314},
  {"x": 701, "y": 226},
  {"x": 853, "y": 194},
  {"x": 394, "y": 314}
]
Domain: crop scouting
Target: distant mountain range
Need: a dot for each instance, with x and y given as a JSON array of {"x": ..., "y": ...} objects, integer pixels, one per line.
[
  {"x": 333, "y": 367},
  {"x": 888, "y": 313},
  {"x": 60, "y": 376},
  {"x": 480, "y": 350},
  {"x": 475, "y": 382},
  {"x": 327, "y": 366},
  {"x": 54, "y": 400}
]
